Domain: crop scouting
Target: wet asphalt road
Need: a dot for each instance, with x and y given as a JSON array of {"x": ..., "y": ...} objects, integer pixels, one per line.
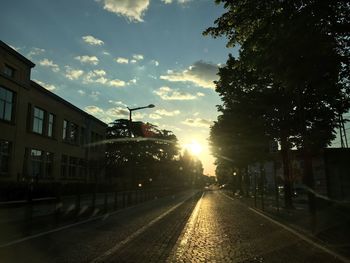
[{"x": 189, "y": 227}]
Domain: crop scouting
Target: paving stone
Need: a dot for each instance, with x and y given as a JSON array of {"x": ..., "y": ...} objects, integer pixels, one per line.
[{"x": 227, "y": 231}]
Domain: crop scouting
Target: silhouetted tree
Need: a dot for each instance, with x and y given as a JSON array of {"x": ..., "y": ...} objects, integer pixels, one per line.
[
  {"x": 301, "y": 48},
  {"x": 150, "y": 150},
  {"x": 191, "y": 169}
]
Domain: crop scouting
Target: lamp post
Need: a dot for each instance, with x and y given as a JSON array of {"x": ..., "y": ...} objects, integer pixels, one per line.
[
  {"x": 133, "y": 178},
  {"x": 135, "y": 109}
]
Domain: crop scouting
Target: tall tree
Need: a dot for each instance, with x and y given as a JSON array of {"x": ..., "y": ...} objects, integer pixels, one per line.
[{"x": 303, "y": 47}]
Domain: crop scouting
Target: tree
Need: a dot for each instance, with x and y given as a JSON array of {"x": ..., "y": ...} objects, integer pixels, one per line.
[
  {"x": 139, "y": 153},
  {"x": 191, "y": 169},
  {"x": 254, "y": 113},
  {"x": 302, "y": 49}
]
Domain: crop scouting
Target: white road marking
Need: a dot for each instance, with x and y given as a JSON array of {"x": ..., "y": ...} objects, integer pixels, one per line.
[
  {"x": 301, "y": 236},
  {"x": 104, "y": 256}
]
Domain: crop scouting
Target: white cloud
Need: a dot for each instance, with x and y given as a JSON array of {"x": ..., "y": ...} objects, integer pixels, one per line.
[
  {"x": 132, "y": 81},
  {"x": 47, "y": 86},
  {"x": 178, "y": 1},
  {"x": 81, "y": 92},
  {"x": 99, "y": 72},
  {"x": 155, "y": 62},
  {"x": 167, "y": 93},
  {"x": 121, "y": 60},
  {"x": 106, "y": 53},
  {"x": 181, "y": 2},
  {"x": 73, "y": 74},
  {"x": 155, "y": 116},
  {"x": 200, "y": 94},
  {"x": 110, "y": 114},
  {"x": 35, "y": 52},
  {"x": 92, "y": 41},
  {"x": 95, "y": 95},
  {"x": 98, "y": 113},
  {"x": 49, "y": 63},
  {"x": 133, "y": 61},
  {"x": 200, "y": 73},
  {"x": 117, "y": 112},
  {"x": 93, "y": 109},
  {"x": 167, "y": 113},
  {"x": 137, "y": 57},
  {"x": 133, "y": 10},
  {"x": 116, "y": 83},
  {"x": 151, "y": 76},
  {"x": 117, "y": 102},
  {"x": 138, "y": 115},
  {"x": 95, "y": 76},
  {"x": 197, "y": 122},
  {"x": 107, "y": 115},
  {"x": 100, "y": 76},
  {"x": 88, "y": 59}
]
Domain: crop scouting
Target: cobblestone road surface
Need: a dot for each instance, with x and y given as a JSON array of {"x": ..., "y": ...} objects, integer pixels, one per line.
[
  {"x": 224, "y": 230},
  {"x": 184, "y": 228}
]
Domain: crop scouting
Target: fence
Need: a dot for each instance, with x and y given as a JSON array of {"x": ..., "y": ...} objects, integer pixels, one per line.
[{"x": 22, "y": 218}]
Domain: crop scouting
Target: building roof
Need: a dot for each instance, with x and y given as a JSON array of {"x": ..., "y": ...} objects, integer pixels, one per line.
[
  {"x": 63, "y": 101},
  {"x": 16, "y": 54}
]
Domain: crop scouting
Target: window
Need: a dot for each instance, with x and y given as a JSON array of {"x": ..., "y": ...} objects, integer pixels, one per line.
[
  {"x": 36, "y": 163},
  {"x": 73, "y": 165},
  {"x": 73, "y": 132},
  {"x": 64, "y": 166},
  {"x": 48, "y": 161},
  {"x": 6, "y": 104},
  {"x": 70, "y": 132},
  {"x": 41, "y": 164},
  {"x": 5, "y": 150},
  {"x": 9, "y": 71},
  {"x": 50, "y": 125},
  {"x": 38, "y": 120},
  {"x": 65, "y": 129}
]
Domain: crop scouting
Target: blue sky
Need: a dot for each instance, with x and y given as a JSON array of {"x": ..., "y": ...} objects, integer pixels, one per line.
[{"x": 105, "y": 55}]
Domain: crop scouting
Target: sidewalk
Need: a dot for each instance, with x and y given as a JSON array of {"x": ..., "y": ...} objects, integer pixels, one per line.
[{"x": 331, "y": 226}]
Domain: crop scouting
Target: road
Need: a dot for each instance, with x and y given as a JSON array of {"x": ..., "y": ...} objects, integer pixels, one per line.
[{"x": 188, "y": 227}]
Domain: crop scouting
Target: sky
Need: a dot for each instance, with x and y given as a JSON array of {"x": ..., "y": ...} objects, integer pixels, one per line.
[{"x": 105, "y": 55}]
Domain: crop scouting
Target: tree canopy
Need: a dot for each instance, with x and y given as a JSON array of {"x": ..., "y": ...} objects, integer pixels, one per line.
[
  {"x": 290, "y": 81},
  {"x": 149, "y": 152}
]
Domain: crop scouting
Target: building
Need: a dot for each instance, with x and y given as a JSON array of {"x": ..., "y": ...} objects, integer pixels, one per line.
[{"x": 43, "y": 137}]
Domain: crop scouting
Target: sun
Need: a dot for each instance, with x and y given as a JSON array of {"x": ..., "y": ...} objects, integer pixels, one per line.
[{"x": 194, "y": 147}]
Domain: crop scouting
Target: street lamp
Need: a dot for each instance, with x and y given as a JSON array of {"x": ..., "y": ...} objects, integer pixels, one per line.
[{"x": 134, "y": 109}]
